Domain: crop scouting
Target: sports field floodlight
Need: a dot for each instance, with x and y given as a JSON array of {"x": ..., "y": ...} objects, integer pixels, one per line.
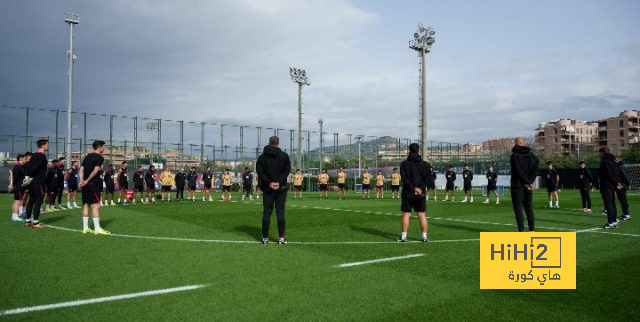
[
  {"x": 72, "y": 20},
  {"x": 359, "y": 138},
  {"x": 299, "y": 76},
  {"x": 421, "y": 42}
]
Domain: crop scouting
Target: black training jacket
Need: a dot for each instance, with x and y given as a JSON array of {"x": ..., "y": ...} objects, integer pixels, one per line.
[
  {"x": 181, "y": 178},
  {"x": 609, "y": 172},
  {"x": 585, "y": 179},
  {"x": 524, "y": 166},
  {"x": 415, "y": 173},
  {"x": 273, "y": 166}
]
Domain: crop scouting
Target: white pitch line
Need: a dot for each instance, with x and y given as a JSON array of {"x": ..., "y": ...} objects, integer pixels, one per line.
[
  {"x": 100, "y": 300},
  {"x": 379, "y": 260},
  {"x": 223, "y": 241}
]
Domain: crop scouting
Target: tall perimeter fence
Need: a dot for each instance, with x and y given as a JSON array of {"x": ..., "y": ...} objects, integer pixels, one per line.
[{"x": 185, "y": 143}]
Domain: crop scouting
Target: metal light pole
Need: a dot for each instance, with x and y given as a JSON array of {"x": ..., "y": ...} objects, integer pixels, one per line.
[
  {"x": 359, "y": 138},
  {"x": 321, "y": 122},
  {"x": 423, "y": 39},
  {"x": 299, "y": 76},
  {"x": 71, "y": 19}
]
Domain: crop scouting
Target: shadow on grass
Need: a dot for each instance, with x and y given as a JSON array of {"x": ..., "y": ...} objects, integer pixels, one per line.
[
  {"x": 461, "y": 227},
  {"x": 50, "y": 220},
  {"x": 254, "y": 232},
  {"x": 374, "y": 232}
]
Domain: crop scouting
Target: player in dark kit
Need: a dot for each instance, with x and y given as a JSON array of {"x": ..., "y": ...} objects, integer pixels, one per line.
[
  {"x": 181, "y": 179},
  {"x": 622, "y": 193},
  {"x": 610, "y": 181},
  {"x": 150, "y": 181},
  {"x": 552, "y": 179},
  {"x": 431, "y": 185},
  {"x": 72, "y": 185},
  {"x": 123, "y": 182},
  {"x": 492, "y": 180},
  {"x": 35, "y": 179},
  {"x": 247, "y": 183},
  {"x": 273, "y": 168},
  {"x": 16, "y": 177},
  {"x": 467, "y": 177},
  {"x": 450, "y": 176},
  {"x": 138, "y": 183},
  {"x": 207, "y": 179},
  {"x": 585, "y": 182},
  {"x": 60, "y": 181},
  {"x": 89, "y": 173},
  {"x": 52, "y": 185},
  {"x": 524, "y": 168},
  {"x": 110, "y": 185},
  {"x": 192, "y": 178},
  {"x": 415, "y": 174}
]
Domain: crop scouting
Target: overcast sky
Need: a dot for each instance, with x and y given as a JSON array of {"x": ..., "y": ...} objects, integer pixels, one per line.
[{"x": 498, "y": 68}]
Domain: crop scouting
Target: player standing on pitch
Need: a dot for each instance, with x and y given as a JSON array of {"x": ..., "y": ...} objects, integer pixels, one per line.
[
  {"x": 379, "y": 185},
  {"x": 395, "y": 184},
  {"x": 138, "y": 183},
  {"x": 609, "y": 182},
  {"x": 622, "y": 193},
  {"x": 585, "y": 181},
  {"x": 247, "y": 184},
  {"x": 181, "y": 179},
  {"x": 167, "y": 181},
  {"x": 342, "y": 180},
  {"x": 552, "y": 179},
  {"x": 192, "y": 178},
  {"x": 492, "y": 179},
  {"x": 150, "y": 181},
  {"x": 207, "y": 178},
  {"x": 89, "y": 173},
  {"x": 226, "y": 185},
  {"x": 123, "y": 182},
  {"x": 323, "y": 183},
  {"x": 467, "y": 178},
  {"x": 450, "y": 175},
  {"x": 72, "y": 185},
  {"x": 524, "y": 169},
  {"x": 366, "y": 183},
  {"x": 415, "y": 173},
  {"x": 273, "y": 168},
  {"x": 431, "y": 185},
  {"x": 15, "y": 182},
  {"x": 297, "y": 184},
  {"x": 110, "y": 185},
  {"x": 35, "y": 177}
]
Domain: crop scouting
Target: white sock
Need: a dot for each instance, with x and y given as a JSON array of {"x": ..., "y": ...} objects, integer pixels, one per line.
[
  {"x": 471, "y": 199},
  {"x": 465, "y": 199},
  {"x": 424, "y": 235},
  {"x": 96, "y": 223},
  {"x": 118, "y": 200},
  {"x": 403, "y": 235},
  {"x": 85, "y": 223},
  {"x": 557, "y": 202},
  {"x": 68, "y": 205},
  {"x": 21, "y": 209},
  {"x": 14, "y": 215},
  {"x": 427, "y": 197},
  {"x": 550, "y": 204},
  {"x": 435, "y": 198}
]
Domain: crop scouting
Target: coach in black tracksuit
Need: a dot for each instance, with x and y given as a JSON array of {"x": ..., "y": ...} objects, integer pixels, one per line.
[
  {"x": 585, "y": 181},
  {"x": 609, "y": 182},
  {"x": 415, "y": 174},
  {"x": 181, "y": 179},
  {"x": 524, "y": 166},
  {"x": 247, "y": 182},
  {"x": 273, "y": 168}
]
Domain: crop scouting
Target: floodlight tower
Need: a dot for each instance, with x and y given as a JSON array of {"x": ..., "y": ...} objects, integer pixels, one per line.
[
  {"x": 321, "y": 122},
  {"x": 71, "y": 19},
  {"x": 422, "y": 41},
  {"x": 299, "y": 76},
  {"x": 359, "y": 138}
]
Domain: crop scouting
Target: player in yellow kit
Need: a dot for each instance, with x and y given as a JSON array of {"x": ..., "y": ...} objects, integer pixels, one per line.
[
  {"x": 297, "y": 184},
  {"x": 395, "y": 184},
  {"x": 342, "y": 180},
  {"x": 167, "y": 180},
  {"x": 366, "y": 183},
  {"x": 323, "y": 183},
  {"x": 380, "y": 185},
  {"x": 226, "y": 185}
]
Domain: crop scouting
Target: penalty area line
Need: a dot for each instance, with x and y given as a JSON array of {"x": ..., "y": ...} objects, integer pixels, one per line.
[{"x": 100, "y": 299}]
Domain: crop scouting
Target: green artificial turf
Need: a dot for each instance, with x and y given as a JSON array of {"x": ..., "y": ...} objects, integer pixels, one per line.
[{"x": 300, "y": 281}]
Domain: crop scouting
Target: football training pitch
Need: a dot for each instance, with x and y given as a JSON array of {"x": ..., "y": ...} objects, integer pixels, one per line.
[{"x": 192, "y": 261}]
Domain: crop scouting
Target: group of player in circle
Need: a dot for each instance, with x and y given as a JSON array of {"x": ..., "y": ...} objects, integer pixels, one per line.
[
  {"x": 32, "y": 179},
  {"x": 366, "y": 178}
]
